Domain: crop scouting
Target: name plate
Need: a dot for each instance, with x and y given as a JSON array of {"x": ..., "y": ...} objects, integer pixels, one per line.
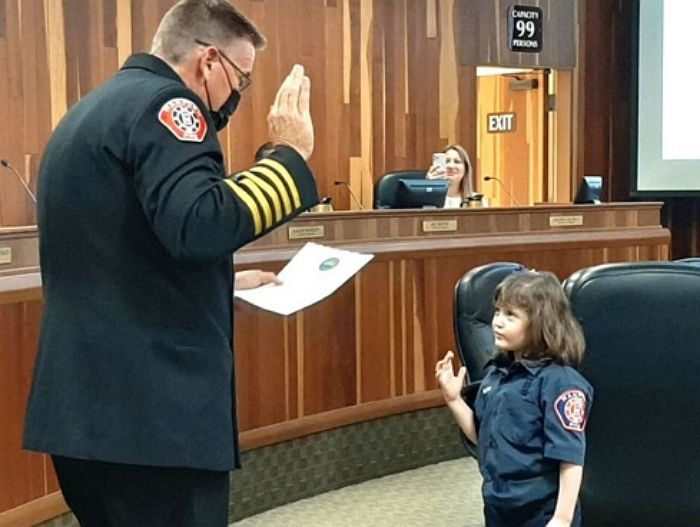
[
  {"x": 302, "y": 233},
  {"x": 5, "y": 255},
  {"x": 439, "y": 225},
  {"x": 575, "y": 220}
]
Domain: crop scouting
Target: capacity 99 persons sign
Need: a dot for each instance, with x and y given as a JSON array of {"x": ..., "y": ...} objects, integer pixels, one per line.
[{"x": 525, "y": 29}]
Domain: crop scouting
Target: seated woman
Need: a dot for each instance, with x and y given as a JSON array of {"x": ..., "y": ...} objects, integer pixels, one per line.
[{"x": 458, "y": 169}]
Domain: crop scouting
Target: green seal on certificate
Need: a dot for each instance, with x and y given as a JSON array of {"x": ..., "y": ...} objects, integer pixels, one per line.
[{"x": 330, "y": 263}]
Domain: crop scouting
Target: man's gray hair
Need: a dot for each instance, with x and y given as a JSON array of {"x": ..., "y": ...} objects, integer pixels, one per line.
[{"x": 213, "y": 21}]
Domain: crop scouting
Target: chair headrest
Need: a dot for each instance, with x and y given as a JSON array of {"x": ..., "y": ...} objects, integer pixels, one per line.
[{"x": 474, "y": 292}]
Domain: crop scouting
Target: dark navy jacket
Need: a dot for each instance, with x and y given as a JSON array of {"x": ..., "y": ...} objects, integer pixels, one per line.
[
  {"x": 137, "y": 230},
  {"x": 532, "y": 416}
]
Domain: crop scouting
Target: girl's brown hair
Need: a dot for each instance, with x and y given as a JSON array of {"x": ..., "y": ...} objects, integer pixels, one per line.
[{"x": 553, "y": 331}]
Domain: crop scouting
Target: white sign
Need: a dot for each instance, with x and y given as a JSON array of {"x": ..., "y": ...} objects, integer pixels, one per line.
[{"x": 497, "y": 123}]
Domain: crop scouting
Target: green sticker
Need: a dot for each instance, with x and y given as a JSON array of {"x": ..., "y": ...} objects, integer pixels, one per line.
[{"x": 330, "y": 263}]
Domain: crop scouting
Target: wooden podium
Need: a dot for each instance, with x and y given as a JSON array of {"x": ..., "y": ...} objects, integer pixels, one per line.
[
  {"x": 366, "y": 351},
  {"x": 370, "y": 349}
]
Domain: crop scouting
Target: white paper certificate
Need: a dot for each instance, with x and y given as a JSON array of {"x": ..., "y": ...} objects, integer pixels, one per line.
[{"x": 311, "y": 275}]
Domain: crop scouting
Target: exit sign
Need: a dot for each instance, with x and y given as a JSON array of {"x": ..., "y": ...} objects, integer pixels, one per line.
[{"x": 498, "y": 123}]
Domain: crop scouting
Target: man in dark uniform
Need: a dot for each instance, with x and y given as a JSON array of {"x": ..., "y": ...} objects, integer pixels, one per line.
[{"x": 133, "y": 392}]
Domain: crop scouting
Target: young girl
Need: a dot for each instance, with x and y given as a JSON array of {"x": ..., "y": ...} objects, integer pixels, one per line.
[{"x": 530, "y": 413}]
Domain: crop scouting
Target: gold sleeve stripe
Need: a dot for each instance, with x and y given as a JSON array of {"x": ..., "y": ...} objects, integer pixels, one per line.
[
  {"x": 273, "y": 178},
  {"x": 284, "y": 174},
  {"x": 250, "y": 203},
  {"x": 269, "y": 190},
  {"x": 260, "y": 198}
]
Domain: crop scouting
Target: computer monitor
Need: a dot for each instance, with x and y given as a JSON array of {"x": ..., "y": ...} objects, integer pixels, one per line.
[
  {"x": 590, "y": 190},
  {"x": 421, "y": 193}
]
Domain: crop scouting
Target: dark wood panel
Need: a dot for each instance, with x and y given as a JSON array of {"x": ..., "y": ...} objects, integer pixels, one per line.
[
  {"x": 330, "y": 352},
  {"x": 375, "y": 369},
  {"x": 262, "y": 366},
  {"x": 18, "y": 338}
]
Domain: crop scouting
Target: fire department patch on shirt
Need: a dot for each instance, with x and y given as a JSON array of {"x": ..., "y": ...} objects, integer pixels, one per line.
[
  {"x": 571, "y": 408},
  {"x": 184, "y": 119}
]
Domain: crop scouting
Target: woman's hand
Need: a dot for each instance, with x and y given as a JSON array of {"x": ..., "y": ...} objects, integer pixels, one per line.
[
  {"x": 436, "y": 172},
  {"x": 450, "y": 384}
]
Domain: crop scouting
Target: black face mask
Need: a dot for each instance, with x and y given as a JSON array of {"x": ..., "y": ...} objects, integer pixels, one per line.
[{"x": 223, "y": 114}]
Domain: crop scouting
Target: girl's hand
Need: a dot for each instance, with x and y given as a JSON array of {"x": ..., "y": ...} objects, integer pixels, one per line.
[
  {"x": 556, "y": 522},
  {"x": 450, "y": 384}
]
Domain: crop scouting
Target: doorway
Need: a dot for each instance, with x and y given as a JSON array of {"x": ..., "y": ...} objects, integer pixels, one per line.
[{"x": 512, "y": 136}]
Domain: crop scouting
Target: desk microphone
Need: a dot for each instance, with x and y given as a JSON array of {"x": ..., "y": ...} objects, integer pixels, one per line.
[
  {"x": 354, "y": 197},
  {"x": 7, "y": 164},
  {"x": 512, "y": 199}
]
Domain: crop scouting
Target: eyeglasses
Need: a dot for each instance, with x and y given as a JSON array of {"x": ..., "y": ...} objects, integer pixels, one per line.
[{"x": 244, "y": 80}]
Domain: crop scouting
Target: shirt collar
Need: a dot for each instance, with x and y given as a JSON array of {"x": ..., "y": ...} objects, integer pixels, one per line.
[
  {"x": 146, "y": 61},
  {"x": 505, "y": 364},
  {"x": 534, "y": 366}
]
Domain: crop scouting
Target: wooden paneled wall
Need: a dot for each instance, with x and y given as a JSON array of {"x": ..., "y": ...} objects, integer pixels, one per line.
[
  {"x": 484, "y": 33},
  {"x": 392, "y": 82},
  {"x": 386, "y": 87},
  {"x": 23, "y": 476}
]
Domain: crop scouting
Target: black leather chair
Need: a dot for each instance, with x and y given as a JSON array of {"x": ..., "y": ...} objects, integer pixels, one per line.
[
  {"x": 385, "y": 189},
  {"x": 641, "y": 322},
  {"x": 473, "y": 311}
]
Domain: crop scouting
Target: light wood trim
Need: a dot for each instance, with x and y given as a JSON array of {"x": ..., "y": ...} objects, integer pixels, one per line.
[
  {"x": 20, "y": 295},
  {"x": 18, "y": 229},
  {"x": 269, "y": 435},
  {"x": 517, "y": 242},
  {"x": 35, "y": 512}
]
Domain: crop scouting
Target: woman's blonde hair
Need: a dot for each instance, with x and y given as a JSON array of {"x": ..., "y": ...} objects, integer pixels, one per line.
[
  {"x": 466, "y": 186},
  {"x": 553, "y": 331}
]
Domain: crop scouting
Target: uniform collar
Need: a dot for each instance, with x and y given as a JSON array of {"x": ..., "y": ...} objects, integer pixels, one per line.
[
  {"x": 535, "y": 366},
  {"x": 146, "y": 61},
  {"x": 505, "y": 363}
]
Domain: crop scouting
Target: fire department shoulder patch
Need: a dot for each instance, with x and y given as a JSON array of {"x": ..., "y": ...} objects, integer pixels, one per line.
[
  {"x": 184, "y": 119},
  {"x": 571, "y": 409}
]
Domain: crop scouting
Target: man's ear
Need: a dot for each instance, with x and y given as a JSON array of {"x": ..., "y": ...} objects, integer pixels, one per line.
[{"x": 205, "y": 63}]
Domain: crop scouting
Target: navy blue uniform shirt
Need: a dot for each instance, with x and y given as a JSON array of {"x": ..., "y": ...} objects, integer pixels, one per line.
[
  {"x": 138, "y": 221},
  {"x": 532, "y": 416}
]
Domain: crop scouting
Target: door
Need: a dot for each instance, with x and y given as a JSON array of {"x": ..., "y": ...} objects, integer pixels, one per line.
[{"x": 512, "y": 138}]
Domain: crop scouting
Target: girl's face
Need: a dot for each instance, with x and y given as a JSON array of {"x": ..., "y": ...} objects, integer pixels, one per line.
[
  {"x": 509, "y": 326},
  {"x": 454, "y": 167}
]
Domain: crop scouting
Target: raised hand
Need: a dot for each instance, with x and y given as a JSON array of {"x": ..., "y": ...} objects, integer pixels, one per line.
[
  {"x": 289, "y": 120},
  {"x": 450, "y": 384}
]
